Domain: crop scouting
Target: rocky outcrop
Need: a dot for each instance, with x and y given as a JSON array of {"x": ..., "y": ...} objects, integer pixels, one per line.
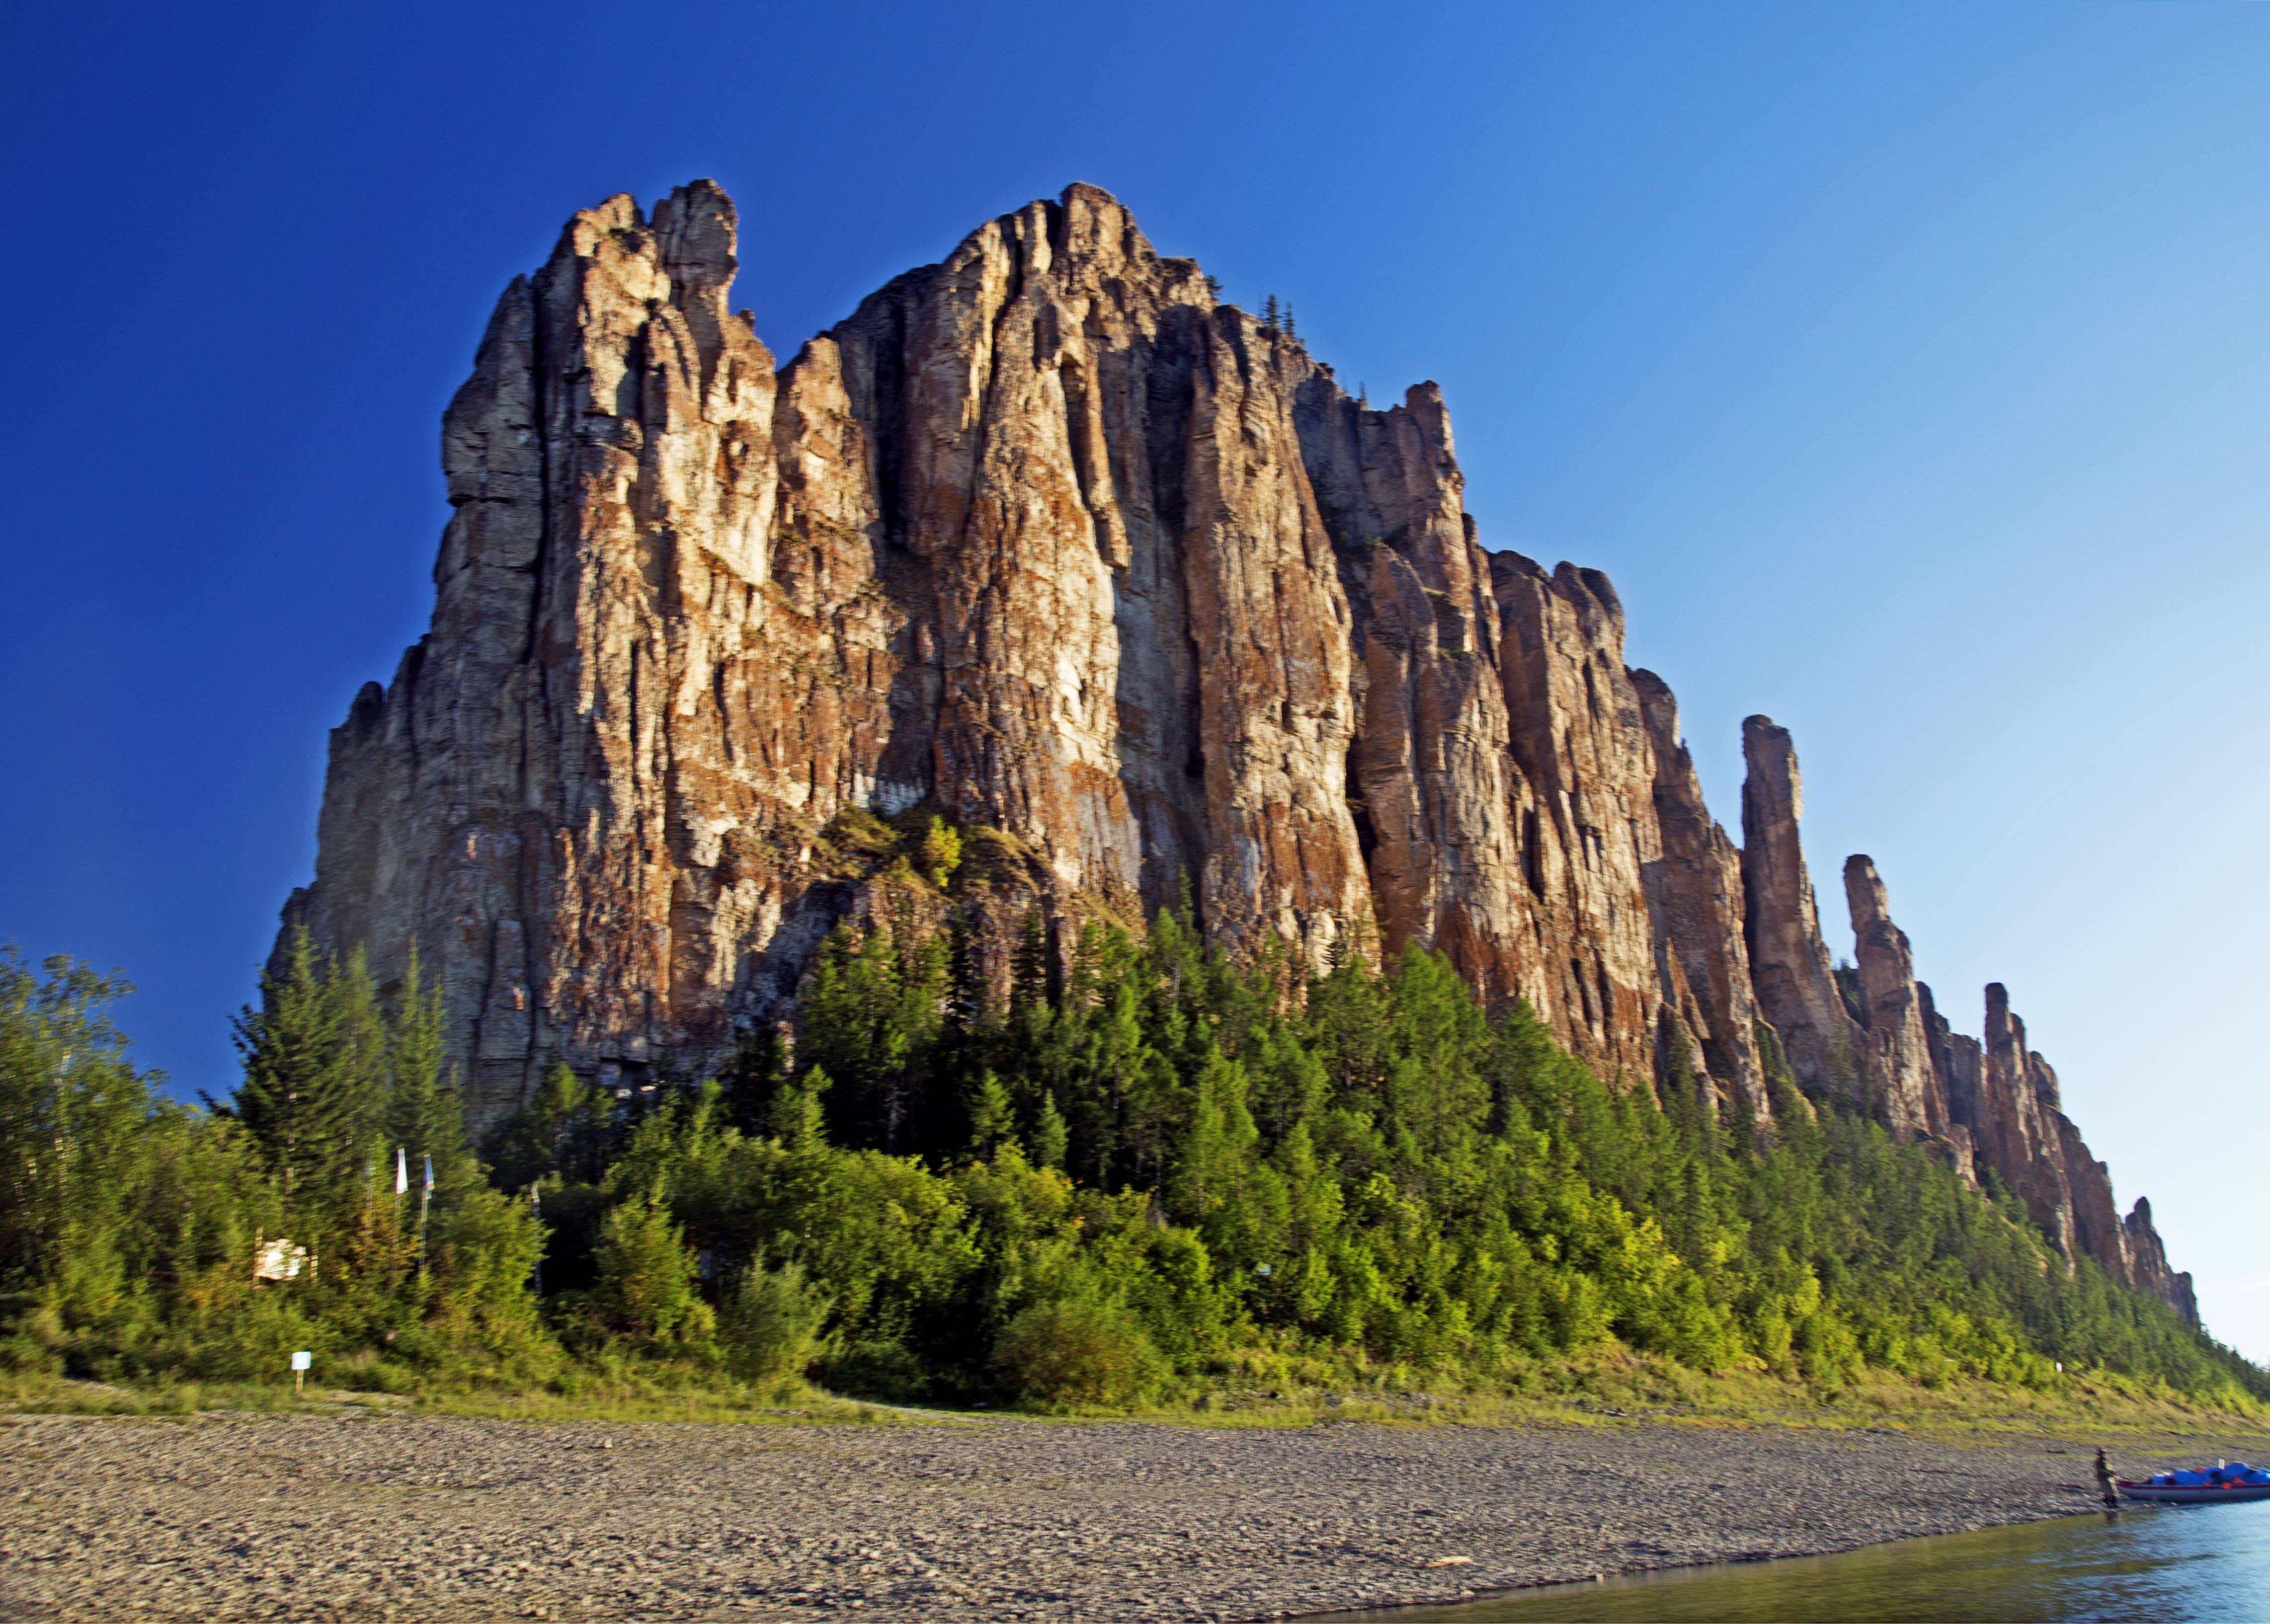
[
  {"x": 1588, "y": 836},
  {"x": 972, "y": 551},
  {"x": 2017, "y": 1133},
  {"x": 1878, "y": 1042},
  {"x": 1438, "y": 801},
  {"x": 1695, "y": 903},
  {"x": 1898, "y": 1052},
  {"x": 2002, "y": 1109},
  {"x": 2147, "y": 1264},
  {"x": 1044, "y": 542},
  {"x": 1789, "y": 965}
]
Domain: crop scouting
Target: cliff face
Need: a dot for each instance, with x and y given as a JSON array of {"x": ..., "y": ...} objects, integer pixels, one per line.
[{"x": 1044, "y": 541}]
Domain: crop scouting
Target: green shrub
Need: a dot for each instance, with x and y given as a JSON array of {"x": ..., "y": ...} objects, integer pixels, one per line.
[
  {"x": 647, "y": 1275},
  {"x": 880, "y": 1369},
  {"x": 941, "y": 853},
  {"x": 772, "y": 1330},
  {"x": 1058, "y": 1355}
]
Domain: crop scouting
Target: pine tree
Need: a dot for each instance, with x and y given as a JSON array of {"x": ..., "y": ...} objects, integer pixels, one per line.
[
  {"x": 799, "y": 1121},
  {"x": 647, "y": 1277},
  {"x": 941, "y": 853},
  {"x": 1050, "y": 1136},
  {"x": 314, "y": 1089},
  {"x": 423, "y": 1116},
  {"x": 992, "y": 1118}
]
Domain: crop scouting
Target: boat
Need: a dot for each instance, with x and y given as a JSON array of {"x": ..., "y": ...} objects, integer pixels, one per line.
[{"x": 2222, "y": 1483}]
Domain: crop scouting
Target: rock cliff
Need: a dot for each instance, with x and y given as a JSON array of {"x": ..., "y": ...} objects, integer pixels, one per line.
[{"x": 1116, "y": 580}]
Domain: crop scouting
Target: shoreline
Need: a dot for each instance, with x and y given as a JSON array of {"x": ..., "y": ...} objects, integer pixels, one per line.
[
  {"x": 1672, "y": 1575},
  {"x": 424, "y": 1518}
]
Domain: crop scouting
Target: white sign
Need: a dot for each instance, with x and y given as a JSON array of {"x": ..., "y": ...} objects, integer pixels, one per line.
[
  {"x": 302, "y": 1360},
  {"x": 278, "y": 1260}
]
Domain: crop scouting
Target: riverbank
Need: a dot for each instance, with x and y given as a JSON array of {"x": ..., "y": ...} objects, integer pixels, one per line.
[{"x": 391, "y": 1515}]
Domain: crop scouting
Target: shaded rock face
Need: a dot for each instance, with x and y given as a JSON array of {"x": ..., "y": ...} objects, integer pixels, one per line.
[
  {"x": 1044, "y": 541},
  {"x": 1590, "y": 834}
]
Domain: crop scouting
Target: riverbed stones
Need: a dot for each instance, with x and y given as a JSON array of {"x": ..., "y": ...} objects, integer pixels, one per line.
[{"x": 427, "y": 1519}]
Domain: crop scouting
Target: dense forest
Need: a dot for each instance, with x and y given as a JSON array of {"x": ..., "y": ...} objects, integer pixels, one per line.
[{"x": 1138, "y": 1168}]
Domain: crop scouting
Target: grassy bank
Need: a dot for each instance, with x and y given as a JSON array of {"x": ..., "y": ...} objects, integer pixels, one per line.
[{"x": 1612, "y": 1388}]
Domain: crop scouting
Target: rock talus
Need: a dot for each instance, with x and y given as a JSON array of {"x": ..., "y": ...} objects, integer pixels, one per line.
[{"x": 1046, "y": 542}]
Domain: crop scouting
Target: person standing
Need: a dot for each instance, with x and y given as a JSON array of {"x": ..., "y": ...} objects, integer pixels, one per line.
[{"x": 2105, "y": 1482}]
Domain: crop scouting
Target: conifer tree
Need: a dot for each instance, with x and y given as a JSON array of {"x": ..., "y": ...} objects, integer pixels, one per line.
[
  {"x": 992, "y": 1118},
  {"x": 798, "y": 1119},
  {"x": 424, "y": 1116},
  {"x": 313, "y": 1094},
  {"x": 1050, "y": 1139}
]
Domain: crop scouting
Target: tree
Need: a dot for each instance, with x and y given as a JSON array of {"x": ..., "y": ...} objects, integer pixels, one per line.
[
  {"x": 773, "y": 1328},
  {"x": 873, "y": 1013},
  {"x": 992, "y": 1118},
  {"x": 423, "y": 1116},
  {"x": 314, "y": 1089},
  {"x": 940, "y": 853},
  {"x": 646, "y": 1274},
  {"x": 79, "y": 1136}
]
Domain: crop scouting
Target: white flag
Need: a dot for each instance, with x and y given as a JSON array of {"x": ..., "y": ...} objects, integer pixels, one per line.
[
  {"x": 429, "y": 1176},
  {"x": 401, "y": 1171}
]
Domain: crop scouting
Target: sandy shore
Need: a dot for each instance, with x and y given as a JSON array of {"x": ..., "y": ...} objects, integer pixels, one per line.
[{"x": 317, "y": 1517}]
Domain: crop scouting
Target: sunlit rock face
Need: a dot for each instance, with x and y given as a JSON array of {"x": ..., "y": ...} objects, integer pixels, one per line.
[{"x": 1116, "y": 580}]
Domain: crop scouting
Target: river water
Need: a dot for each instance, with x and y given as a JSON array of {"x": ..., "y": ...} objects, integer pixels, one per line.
[{"x": 2207, "y": 1563}]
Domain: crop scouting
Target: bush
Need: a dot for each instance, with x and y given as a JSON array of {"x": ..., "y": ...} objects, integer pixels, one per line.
[
  {"x": 646, "y": 1274},
  {"x": 772, "y": 1328},
  {"x": 876, "y": 1370},
  {"x": 1060, "y": 1354},
  {"x": 941, "y": 853}
]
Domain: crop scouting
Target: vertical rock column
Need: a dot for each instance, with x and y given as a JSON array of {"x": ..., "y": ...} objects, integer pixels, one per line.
[
  {"x": 1439, "y": 795},
  {"x": 1694, "y": 894},
  {"x": 1789, "y": 963},
  {"x": 1956, "y": 1066},
  {"x": 1588, "y": 835},
  {"x": 659, "y": 493},
  {"x": 1891, "y": 1009},
  {"x": 2096, "y": 1227},
  {"x": 2013, "y": 1134},
  {"x": 1271, "y": 629},
  {"x": 2148, "y": 1260}
]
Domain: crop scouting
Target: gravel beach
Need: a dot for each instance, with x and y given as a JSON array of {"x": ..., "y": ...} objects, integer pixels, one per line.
[{"x": 431, "y": 1519}]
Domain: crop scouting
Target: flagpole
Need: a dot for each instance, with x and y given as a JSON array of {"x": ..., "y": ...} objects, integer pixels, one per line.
[{"x": 425, "y": 1201}]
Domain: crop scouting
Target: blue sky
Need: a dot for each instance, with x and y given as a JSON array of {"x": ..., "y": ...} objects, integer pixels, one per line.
[{"x": 1907, "y": 367}]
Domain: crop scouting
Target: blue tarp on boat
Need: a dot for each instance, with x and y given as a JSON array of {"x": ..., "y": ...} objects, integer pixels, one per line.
[{"x": 2214, "y": 1477}]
